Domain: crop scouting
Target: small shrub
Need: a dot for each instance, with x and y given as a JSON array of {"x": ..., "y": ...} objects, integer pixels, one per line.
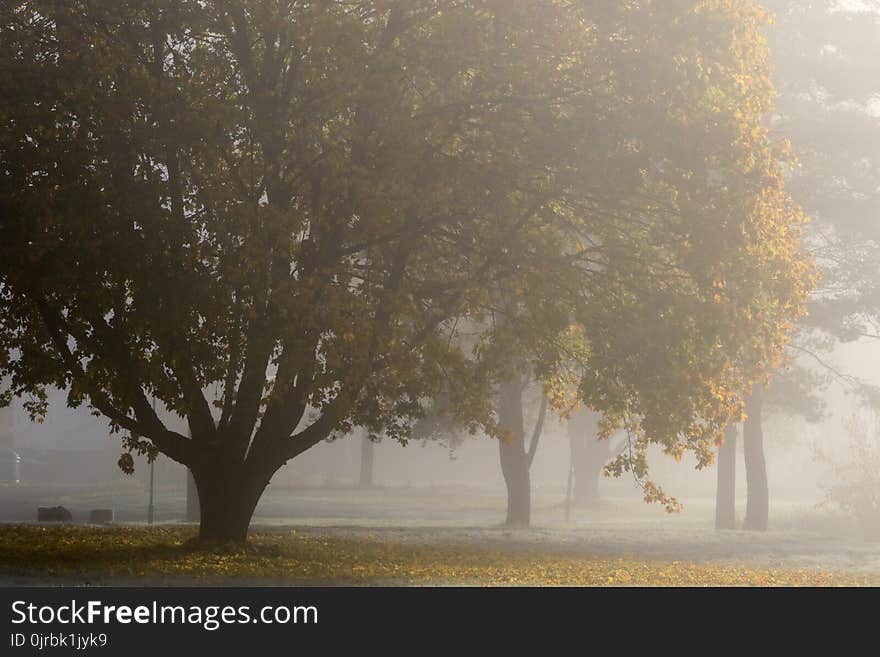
[{"x": 855, "y": 488}]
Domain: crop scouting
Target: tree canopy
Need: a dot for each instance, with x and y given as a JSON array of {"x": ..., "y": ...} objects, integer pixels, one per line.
[
  {"x": 285, "y": 219},
  {"x": 828, "y": 93}
]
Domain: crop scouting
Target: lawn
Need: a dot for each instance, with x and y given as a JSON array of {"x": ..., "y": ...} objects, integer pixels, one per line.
[{"x": 70, "y": 555}]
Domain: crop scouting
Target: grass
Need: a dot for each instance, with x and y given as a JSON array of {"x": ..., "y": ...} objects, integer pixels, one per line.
[{"x": 163, "y": 555}]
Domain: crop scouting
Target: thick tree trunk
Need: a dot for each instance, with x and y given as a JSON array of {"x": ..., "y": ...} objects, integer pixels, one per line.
[
  {"x": 227, "y": 500},
  {"x": 519, "y": 495},
  {"x": 192, "y": 498},
  {"x": 758, "y": 496},
  {"x": 514, "y": 458},
  {"x": 725, "y": 492},
  {"x": 367, "y": 457}
]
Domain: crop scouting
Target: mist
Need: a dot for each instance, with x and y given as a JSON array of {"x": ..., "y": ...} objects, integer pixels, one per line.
[{"x": 545, "y": 284}]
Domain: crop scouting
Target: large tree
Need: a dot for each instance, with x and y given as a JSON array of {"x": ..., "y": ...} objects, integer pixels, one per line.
[
  {"x": 827, "y": 76},
  {"x": 298, "y": 204}
]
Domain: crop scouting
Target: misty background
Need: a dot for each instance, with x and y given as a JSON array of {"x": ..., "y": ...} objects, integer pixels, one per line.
[{"x": 72, "y": 457}]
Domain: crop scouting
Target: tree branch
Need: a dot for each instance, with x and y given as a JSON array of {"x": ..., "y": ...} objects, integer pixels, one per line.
[
  {"x": 146, "y": 424},
  {"x": 536, "y": 434}
]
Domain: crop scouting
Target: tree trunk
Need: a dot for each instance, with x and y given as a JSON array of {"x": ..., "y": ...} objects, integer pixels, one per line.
[
  {"x": 7, "y": 428},
  {"x": 367, "y": 457},
  {"x": 519, "y": 495},
  {"x": 192, "y": 498},
  {"x": 514, "y": 458},
  {"x": 586, "y": 478},
  {"x": 758, "y": 496},
  {"x": 227, "y": 500},
  {"x": 725, "y": 492},
  {"x": 588, "y": 457}
]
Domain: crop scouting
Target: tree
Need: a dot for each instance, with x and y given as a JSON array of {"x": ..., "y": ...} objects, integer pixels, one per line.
[
  {"x": 512, "y": 401},
  {"x": 515, "y": 453},
  {"x": 298, "y": 203},
  {"x": 725, "y": 491},
  {"x": 792, "y": 392},
  {"x": 758, "y": 501},
  {"x": 827, "y": 86},
  {"x": 854, "y": 486},
  {"x": 588, "y": 456},
  {"x": 827, "y": 79},
  {"x": 192, "y": 499}
]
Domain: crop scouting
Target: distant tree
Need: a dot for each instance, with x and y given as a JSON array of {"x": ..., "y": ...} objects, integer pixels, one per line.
[
  {"x": 793, "y": 392},
  {"x": 589, "y": 455},
  {"x": 298, "y": 203},
  {"x": 828, "y": 86},
  {"x": 517, "y": 449},
  {"x": 515, "y": 401},
  {"x": 828, "y": 89},
  {"x": 855, "y": 485},
  {"x": 725, "y": 489},
  {"x": 828, "y": 79},
  {"x": 758, "y": 500}
]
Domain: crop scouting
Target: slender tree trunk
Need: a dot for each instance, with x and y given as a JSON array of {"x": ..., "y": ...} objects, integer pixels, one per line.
[
  {"x": 368, "y": 448},
  {"x": 758, "y": 496},
  {"x": 514, "y": 458},
  {"x": 725, "y": 492},
  {"x": 588, "y": 457},
  {"x": 586, "y": 482}
]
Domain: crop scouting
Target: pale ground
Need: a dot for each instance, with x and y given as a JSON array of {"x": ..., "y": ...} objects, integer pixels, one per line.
[{"x": 801, "y": 537}]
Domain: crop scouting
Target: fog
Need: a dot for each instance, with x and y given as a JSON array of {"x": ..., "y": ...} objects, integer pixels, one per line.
[
  {"x": 600, "y": 279},
  {"x": 71, "y": 456}
]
